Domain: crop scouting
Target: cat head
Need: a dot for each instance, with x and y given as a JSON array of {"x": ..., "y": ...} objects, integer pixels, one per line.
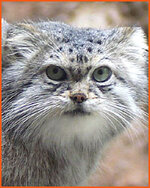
[{"x": 53, "y": 70}]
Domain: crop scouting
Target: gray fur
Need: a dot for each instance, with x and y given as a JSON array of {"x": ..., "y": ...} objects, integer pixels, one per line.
[{"x": 42, "y": 146}]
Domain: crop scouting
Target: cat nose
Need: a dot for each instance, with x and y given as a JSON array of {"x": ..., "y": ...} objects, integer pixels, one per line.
[{"x": 78, "y": 97}]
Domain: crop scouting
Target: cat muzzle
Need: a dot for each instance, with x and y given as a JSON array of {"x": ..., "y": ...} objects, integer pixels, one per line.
[{"x": 78, "y": 97}]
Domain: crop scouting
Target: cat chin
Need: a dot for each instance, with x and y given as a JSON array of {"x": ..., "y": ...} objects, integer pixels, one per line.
[
  {"x": 66, "y": 128},
  {"x": 77, "y": 112}
]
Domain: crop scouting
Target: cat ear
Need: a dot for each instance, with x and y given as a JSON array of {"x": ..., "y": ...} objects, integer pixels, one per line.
[
  {"x": 128, "y": 36},
  {"x": 135, "y": 44},
  {"x": 135, "y": 36},
  {"x": 128, "y": 42},
  {"x": 19, "y": 40}
]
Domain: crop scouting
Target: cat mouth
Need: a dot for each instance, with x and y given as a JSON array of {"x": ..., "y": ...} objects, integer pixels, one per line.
[{"x": 77, "y": 112}]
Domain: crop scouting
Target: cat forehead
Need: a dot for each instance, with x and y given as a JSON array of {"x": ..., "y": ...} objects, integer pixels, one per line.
[
  {"x": 75, "y": 53},
  {"x": 79, "y": 45},
  {"x": 78, "y": 36}
]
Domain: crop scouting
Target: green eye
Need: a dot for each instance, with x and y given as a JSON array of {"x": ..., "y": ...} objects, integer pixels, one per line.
[
  {"x": 55, "y": 73},
  {"x": 102, "y": 74}
]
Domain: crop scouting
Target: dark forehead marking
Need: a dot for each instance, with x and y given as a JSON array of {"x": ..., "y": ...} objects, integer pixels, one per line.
[
  {"x": 81, "y": 45},
  {"x": 89, "y": 49},
  {"x": 99, "y": 51},
  {"x": 60, "y": 48},
  {"x": 70, "y": 50},
  {"x": 65, "y": 40},
  {"x": 88, "y": 68},
  {"x": 99, "y": 42},
  {"x": 85, "y": 59},
  {"x": 90, "y": 40},
  {"x": 79, "y": 58},
  {"x": 54, "y": 56},
  {"x": 58, "y": 39},
  {"x": 79, "y": 71}
]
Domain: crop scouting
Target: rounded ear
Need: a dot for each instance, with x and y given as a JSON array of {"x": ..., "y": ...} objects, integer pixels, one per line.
[
  {"x": 136, "y": 36},
  {"x": 129, "y": 41},
  {"x": 128, "y": 36},
  {"x": 19, "y": 40}
]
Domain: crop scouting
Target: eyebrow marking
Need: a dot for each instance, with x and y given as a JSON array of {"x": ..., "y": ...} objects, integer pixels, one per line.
[
  {"x": 85, "y": 59},
  {"x": 89, "y": 49},
  {"x": 80, "y": 58}
]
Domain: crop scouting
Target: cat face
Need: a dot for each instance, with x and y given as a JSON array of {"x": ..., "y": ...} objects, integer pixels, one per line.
[{"x": 69, "y": 79}]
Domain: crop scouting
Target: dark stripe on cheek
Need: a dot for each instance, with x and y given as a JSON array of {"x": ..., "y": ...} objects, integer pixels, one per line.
[
  {"x": 121, "y": 79},
  {"x": 105, "y": 88},
  {"x": 27, "y": 85},
  {"x": 10, "y": 93},
  {"x": 55, "y": 86}
]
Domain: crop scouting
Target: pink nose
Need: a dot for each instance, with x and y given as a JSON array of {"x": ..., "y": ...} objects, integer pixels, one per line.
[{"x": 78, "y": 97}]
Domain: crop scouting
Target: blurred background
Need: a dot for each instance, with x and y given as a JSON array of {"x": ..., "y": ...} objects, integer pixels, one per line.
[{"x": 125, "y": 161}]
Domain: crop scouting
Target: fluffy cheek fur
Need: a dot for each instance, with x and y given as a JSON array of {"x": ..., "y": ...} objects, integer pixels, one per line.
[
  {"x": 110, "y": 113},
  {"x": 46, "y": 120},
  {"x": 65, "y": 129}
]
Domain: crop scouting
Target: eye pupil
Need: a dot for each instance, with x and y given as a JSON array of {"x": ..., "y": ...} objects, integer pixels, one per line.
[
  {"x": 55, "y": 70},
  {"x": 100, "y": 72}
]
